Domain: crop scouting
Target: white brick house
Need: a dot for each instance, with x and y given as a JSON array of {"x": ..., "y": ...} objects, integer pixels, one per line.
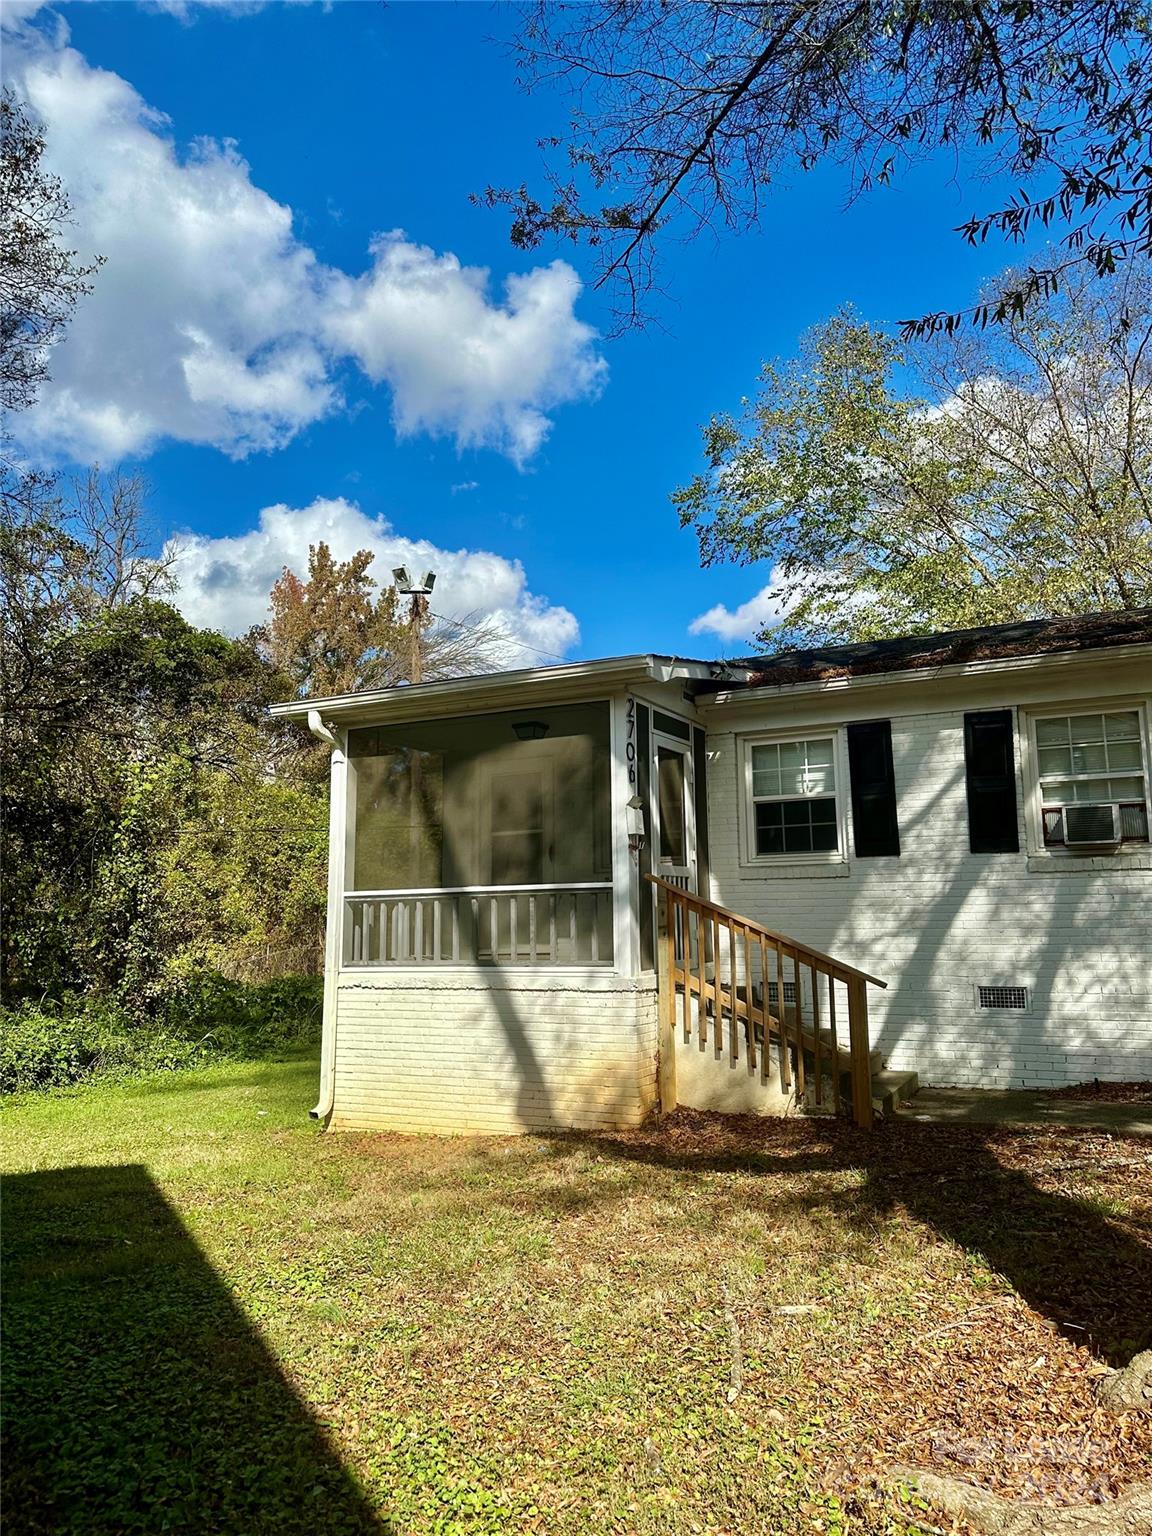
[{"x": 963, "y": 816}]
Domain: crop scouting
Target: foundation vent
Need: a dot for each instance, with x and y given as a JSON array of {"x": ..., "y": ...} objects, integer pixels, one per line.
[{"x": 1002, "y": 997}]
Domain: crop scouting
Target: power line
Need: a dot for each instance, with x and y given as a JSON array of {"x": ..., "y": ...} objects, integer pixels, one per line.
[{"x": 523, "y": 644}]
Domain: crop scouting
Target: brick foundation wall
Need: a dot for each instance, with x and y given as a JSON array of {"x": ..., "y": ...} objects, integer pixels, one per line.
[{"x": 468, "y": 1052}]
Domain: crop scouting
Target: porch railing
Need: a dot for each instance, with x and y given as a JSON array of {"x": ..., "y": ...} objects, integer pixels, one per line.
[
  {"x": 512, "y": 925},
  {"x": 761, "y": 994}
]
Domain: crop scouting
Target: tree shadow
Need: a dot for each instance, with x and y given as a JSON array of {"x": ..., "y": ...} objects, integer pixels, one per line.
[
  {"x": 139, "y": 1396},
  {"x": 970, "y": 1185}
]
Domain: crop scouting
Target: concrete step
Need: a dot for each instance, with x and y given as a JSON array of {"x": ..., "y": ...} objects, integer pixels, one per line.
[{"x": 891, "y": 1089}]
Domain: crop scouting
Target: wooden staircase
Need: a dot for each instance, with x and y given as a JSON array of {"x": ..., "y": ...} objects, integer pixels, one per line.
[{"x": 731, "y": 976}]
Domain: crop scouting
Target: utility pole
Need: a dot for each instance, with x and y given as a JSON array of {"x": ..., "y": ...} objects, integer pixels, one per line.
[{"x": 418, "y": 592}]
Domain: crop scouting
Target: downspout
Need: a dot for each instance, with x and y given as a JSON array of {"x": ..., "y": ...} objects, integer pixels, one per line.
[{"x": 338, "y": 794}]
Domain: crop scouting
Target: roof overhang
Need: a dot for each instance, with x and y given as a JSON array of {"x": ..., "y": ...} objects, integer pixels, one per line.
[
  {"x": 1055, "y": 661},
  {"x": 496, "y": 690}
]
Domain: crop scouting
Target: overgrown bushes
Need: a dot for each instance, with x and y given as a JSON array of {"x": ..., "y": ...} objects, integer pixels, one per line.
[{"x": 206, "y": 1017}]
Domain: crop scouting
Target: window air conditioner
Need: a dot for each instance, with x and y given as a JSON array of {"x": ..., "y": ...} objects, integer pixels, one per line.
[{"x": 1091, "y": 826}]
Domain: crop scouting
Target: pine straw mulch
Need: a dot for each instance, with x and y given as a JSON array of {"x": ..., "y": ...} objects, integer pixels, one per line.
[
  {"x": 988, "y": 1370},
  {"x": 1104, "y": 1093}
]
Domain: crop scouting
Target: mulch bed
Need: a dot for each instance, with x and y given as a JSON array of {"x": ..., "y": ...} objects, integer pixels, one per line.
[
  {"x": 993, "y": 1379},
  {"x": 1105, "y": 1093}
]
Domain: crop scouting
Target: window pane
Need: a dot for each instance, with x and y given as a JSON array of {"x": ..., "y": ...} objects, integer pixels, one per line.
[
  {"x": 798, "y": 839},
  {"x": 1087, "y": 728},
  {"x": 765, "y": 782},
  {"x": 1089, "y": 791},
  {"x": 801, "y": 768},
  {"x": 769, "y": 829},
  {"x": 1125, "y": 789},
  {"x": 1124, "y": 754},
  {"x": 766, "y": 770},
  {"x": 796, "y": 826},
  {"x": 1124, "y": 726},
  {"x": 673, "y": 833},
  {"x": 1055, "y": 760},
  {"x": 824, "y": 837},
  {"x": 1089, "y": 759},
  {"x": 820, "y": 752},
  {"x": 1051, "y": 732}
]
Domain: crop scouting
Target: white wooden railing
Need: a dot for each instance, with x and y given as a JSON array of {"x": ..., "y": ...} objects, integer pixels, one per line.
[{"x": 513, "y": 925}]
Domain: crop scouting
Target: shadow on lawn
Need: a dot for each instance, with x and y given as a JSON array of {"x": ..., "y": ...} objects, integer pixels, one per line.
[
  {"x": 1070, "y": 1262},
  {"x": 138, "y": 1396}
]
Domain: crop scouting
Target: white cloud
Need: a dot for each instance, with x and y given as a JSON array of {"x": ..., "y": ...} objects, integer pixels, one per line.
[
  {"x": 14, "y": 14},
  {"x": 212, "y": 323},
  {"x": 224, "y": 582},
  {"x": 764, "y": 611},
  {"x": 458, "y": 364}
]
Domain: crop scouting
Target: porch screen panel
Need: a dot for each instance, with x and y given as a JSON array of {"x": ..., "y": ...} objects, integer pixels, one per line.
[
  {"x": 515, "y": 798},
  {"x": 399, "y": 814}
]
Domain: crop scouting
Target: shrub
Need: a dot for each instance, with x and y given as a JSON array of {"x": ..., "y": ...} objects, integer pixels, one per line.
[{"x": 206, "y": 1017}]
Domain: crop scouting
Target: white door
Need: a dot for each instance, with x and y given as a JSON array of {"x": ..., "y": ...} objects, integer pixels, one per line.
[{"x": 673, "y": 811}]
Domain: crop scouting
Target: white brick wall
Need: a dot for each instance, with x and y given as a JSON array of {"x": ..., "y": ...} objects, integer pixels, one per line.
[
  {"x": 460, "y": 1052},
  {"x": 938, "y": 920}
]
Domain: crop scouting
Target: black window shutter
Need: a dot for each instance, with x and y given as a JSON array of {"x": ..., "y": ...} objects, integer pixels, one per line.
[
  {"x": 874, "y": 826},
  {"x": 990, "y": 768}
]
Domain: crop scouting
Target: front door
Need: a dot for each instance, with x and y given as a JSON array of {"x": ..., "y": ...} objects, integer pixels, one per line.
[
  {"x": 521, "y": 824},
  {"x": 674, "y": 813}
]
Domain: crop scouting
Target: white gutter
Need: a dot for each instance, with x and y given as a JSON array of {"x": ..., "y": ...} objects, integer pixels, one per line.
[
  {"x": 338, "y": 794},
  {"x": 509, "y": 690}
]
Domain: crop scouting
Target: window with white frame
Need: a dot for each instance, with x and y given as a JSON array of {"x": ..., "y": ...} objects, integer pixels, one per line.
[
  {"x": 792, "y": 797},
  {"x": 1093, "y": 758}
]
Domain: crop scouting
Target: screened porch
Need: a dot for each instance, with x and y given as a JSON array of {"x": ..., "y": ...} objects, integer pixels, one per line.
[{"x": 483, "y": 840}]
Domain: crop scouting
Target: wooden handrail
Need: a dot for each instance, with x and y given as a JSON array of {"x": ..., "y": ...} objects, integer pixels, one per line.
[
  {"x": 842, "y": 971},
  {"x": 700, "y": 975}
]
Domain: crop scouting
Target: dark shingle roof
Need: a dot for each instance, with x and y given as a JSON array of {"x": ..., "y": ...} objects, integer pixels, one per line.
[{"x": 1032, "y": 637}]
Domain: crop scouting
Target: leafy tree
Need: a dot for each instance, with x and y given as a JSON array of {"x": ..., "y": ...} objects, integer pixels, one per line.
[
  {"x": 1022, "y": 487},
  {"x": 40, "y": 279},
  {"x": 335, "y": 632},
  {"x": 688, "y": 113},
  {"x": 245, "y": 877},
  {"x": 114, "y": 705}
]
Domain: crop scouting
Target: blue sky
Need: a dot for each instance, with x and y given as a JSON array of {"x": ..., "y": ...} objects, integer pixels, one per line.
[{"x": 246, "y": 350}]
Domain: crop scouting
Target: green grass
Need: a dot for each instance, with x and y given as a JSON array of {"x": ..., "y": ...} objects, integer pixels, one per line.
[{"x": 220, "y": 1320}]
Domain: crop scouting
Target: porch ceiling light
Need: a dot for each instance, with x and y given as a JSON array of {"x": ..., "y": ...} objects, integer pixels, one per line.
[{"x": 529, "y": 730}]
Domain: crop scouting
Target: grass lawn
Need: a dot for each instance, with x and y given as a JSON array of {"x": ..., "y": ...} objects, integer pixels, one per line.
[{"x": 219, "y": 1320}]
